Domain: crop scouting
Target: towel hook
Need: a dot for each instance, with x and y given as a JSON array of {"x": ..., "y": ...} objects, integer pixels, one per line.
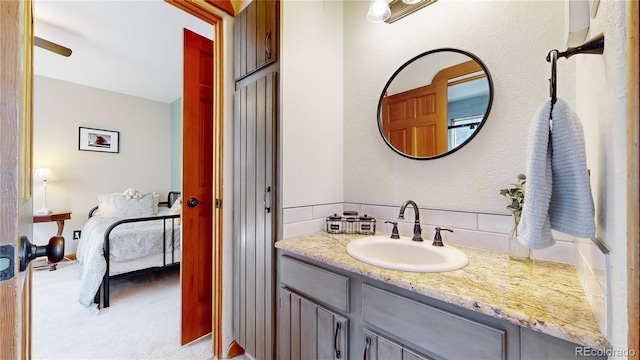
[
  {"x": 593, "y": 46},
  {"x": 552, "y": 57}
]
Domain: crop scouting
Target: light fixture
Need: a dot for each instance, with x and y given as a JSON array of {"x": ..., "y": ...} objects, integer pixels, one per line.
[
  {"x": 43, "y": 175},
  {"x": 390, "y": 11},
  {"x": 379, "y": 11}
]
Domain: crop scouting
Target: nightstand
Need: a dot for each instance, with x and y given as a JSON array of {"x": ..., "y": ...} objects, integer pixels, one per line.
[{"x": 59, "y": 217}]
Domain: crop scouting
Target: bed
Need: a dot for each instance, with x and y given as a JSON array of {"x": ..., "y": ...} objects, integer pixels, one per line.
[{"x": 126, "y": 235}]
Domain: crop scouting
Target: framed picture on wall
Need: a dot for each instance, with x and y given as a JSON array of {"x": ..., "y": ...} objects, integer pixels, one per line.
[{"x": 99, "y": 140}]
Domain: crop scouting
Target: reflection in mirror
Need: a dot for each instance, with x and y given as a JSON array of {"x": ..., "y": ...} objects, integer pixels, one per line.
[{"x": 435, "y": 103}]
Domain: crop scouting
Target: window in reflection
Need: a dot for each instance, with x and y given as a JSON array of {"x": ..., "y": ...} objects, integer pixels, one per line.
[{"x": 467, "y": 101}]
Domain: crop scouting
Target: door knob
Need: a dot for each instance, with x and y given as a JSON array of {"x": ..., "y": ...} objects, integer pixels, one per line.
[
  {"x": 192, "y": 202},
  {"x": 54, "y": 251}
]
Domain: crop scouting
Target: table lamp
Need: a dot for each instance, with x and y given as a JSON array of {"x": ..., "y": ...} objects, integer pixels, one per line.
[{"x": 43, "y": 175}]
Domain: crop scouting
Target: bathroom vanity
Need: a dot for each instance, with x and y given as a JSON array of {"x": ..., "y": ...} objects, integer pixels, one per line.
[{"x": 332, "y": 306}]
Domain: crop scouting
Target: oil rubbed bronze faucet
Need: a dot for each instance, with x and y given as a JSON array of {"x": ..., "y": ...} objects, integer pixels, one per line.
[{"x": 417, "y": 230}]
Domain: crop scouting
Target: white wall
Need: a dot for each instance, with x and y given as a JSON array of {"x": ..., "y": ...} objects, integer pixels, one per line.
[
  {"x": 176, "y": 144},
  {"x": 512, "y": 38},
  {"x": 601, "y": 105},
  {"x": 311, "y": 102},
  {"x": 60, "y": 108}
]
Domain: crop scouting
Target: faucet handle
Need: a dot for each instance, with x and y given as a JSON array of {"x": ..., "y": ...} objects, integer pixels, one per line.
[
  {"x": 437, "y": 239},
  {"x": 394, "y": 232}
]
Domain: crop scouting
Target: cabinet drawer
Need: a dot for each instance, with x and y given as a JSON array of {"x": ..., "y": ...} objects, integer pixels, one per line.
[
  {"x": 322, "y": 285},
  {"x": 448, "y": 335}
]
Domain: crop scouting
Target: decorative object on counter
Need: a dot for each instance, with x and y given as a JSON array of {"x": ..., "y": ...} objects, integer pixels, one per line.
[
  {"x": 334, "y": 224},
  {"x": 351, "y": 223},
  {"x": 515, "y": 196},
  {"x": 367, "y": 225}
]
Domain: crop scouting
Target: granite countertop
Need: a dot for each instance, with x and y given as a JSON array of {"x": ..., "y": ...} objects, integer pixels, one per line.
[{"x": 542, "y": 295}]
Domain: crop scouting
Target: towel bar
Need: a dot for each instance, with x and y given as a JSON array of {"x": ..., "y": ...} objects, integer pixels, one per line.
[
  {"x": 601, "y": 245},
  {"x": 593, "y": 46}
]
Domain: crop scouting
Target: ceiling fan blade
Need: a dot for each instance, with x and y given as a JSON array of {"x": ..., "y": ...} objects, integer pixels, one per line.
[{"x": 48, "y": 45}]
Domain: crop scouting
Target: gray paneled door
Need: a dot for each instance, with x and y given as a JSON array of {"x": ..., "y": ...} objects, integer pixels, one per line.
[
  {"x": 254, "y": 187},
  {"x": 309, "y": 331}
]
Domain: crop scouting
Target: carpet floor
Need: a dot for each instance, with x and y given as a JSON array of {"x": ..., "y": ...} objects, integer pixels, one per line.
[{"x": 143, "y": 321}]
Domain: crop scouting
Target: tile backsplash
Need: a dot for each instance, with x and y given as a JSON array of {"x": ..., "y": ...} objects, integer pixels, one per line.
[
  {"x": 487, "y": 231},
  {"x": 591, "y": 265}
]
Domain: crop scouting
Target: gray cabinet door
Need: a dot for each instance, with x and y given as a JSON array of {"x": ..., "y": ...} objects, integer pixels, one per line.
[
  {"x": 308, "y": 331},
  {"x": 430, "y": 328},
  {"x": 254, "y": 186},
  {"x": 256, "y": 37},
  {"x": 378, "y": 347}
]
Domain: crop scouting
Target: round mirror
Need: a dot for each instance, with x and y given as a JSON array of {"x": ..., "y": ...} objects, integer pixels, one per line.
[{"x": 435, "y": 103}]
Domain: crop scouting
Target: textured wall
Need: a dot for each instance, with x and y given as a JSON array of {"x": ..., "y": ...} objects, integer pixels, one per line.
[
  {"x": 601, "y": 105},
  {"x": 511, "y": 37},
  {"x": 311, "y": 102}
]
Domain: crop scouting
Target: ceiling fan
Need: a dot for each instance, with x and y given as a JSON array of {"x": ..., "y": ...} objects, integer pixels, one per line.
[{"x": 48, "y": 45}]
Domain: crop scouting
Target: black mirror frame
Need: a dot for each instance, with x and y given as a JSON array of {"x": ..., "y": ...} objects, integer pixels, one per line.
[{"x": 484, "y": 118}]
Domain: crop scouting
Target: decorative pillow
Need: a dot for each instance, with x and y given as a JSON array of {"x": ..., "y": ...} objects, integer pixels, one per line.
[
  {"x": 135, "y": 207},
  {"x": 105, "y": 205},
  {"x": 176, "y": 208},
  {"x": 156, "y": 201}
]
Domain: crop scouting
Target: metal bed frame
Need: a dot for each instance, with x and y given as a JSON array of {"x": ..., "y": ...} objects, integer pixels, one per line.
[{"x": 105, "y": 285}]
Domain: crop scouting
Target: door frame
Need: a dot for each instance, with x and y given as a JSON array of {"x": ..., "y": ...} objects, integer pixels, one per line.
[
  {"x": 209, "y": 14},
  {"x": 16, "y": 96},
  {"x": 633, "y": 177}
]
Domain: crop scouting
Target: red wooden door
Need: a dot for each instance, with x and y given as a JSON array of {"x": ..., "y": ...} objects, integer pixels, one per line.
[{"x": 197, "y": 187}]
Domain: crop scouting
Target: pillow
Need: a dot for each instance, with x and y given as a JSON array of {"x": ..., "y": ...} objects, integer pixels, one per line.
[
  {"x": 105, "y": 205},
  {"x": 176, "y": 208},
  {"x": 135, "y": 207},
  {"x": 156, "y": 200}
]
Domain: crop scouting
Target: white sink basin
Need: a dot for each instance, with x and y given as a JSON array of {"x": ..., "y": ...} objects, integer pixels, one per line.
[{"x": 406, "y": 255}]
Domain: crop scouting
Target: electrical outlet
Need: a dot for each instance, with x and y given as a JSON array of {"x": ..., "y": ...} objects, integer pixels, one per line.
[{"x": 76, "y": 234}]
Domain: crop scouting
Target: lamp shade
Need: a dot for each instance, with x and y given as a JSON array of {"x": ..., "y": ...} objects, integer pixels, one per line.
[
  {"x": 379, "y": 11},
  {"x": 44, "y": 174}
]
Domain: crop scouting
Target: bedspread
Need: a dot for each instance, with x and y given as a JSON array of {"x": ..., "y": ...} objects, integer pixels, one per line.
[{"x": 128, "y": 242}]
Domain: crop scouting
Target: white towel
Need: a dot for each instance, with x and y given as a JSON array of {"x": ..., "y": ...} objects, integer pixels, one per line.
[{"x": 558, "y": 193}]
